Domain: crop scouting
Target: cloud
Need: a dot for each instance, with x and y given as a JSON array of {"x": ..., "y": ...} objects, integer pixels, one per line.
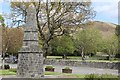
[{"x": 108, "y": 8}]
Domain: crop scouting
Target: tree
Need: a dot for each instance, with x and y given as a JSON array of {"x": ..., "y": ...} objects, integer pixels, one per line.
[
  {"x": 118, "y": 35},
  {"x": 2, "y": 21},
  {"x": 12, "y": 39},
  {"x": 1, "y": 25},
  {"x": 110, "y": 45},
  {"x": 63, "y": 45},
  {"x": 88, "y": 41},
  {"x": 55, "y": 18}
]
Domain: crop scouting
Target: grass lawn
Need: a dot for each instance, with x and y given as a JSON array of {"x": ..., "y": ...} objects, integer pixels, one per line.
[
  {"x": 65, "y": 74},
  {"x": 77, "y": 58},
  {"x": 13, "y": 72},
  {"x": 7, "y": 72},
  {"x": 52, "y": 73}
]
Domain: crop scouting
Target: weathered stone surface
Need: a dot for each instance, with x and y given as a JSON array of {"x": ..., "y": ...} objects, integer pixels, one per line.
[
  {"x": 30, "y": 61},
  {"x": 104, "y": 65}
]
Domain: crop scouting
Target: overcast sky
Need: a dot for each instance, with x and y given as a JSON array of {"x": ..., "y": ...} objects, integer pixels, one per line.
[{"x": 107, "y": 10}]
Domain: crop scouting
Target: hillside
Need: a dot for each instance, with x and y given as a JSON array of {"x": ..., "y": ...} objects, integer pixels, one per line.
[{"x": 107, "y": 29}]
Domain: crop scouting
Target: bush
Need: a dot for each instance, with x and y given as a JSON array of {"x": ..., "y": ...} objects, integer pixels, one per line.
[
  {"x": 91, "y": 77},
  {"x": 67, "y": 68},
  {"x": 6, "y": 67},
  {"x": 49, "y": 67},
  {"x": 101, "y": 77},
  {"x": 108, "y": 76},
  {"x": 117, "y": 56}
]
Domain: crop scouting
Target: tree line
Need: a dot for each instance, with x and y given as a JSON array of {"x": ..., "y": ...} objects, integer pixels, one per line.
[{"x": 86, "y": 42}]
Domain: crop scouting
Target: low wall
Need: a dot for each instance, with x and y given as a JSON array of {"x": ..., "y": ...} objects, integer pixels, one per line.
[{"x": 104, "y": 65}]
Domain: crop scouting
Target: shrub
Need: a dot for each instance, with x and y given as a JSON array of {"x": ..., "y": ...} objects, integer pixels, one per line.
[
  {"x": 101, "y": 77},
  {"x": 108, "y": 76},
  {"x": 92, "y": 77},
  {"x": 49, "y": 67},
  {"x": 6, "y": 67},
  {"x": 67, "y": 68}
]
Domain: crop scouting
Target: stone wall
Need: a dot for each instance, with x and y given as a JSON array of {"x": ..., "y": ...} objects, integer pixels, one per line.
[{"x": 104, "y": 65}]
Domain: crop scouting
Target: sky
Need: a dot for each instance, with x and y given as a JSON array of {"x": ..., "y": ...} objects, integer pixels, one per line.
[{"x": 106, "y": 10}]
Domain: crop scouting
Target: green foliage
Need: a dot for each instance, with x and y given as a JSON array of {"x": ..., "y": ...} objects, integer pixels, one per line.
[
  {"x": 63, "y": 45},
  {"x": 118, "y": 30},
  {"x": 67, "y": 68},
  {"x": 110, "y": 45},
  {"x": 91, "y": 76},
  {"x": 52, "y": 73},
  {"x": 13, "y": 70},
  {"x": 6, "y": 67},
  {"x": 118, "y": 34},
  {"x": 101, "y": 77},
  {"x": 2, "y": 20},
  {"x": 89, "y": 39},
  {"x": 49, "y": 67},
  {"x": 7, "y": 72}
]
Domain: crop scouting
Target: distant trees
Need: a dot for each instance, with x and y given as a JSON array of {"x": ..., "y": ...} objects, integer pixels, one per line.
[
  {"x": 63, "y": 45},
  {"x": 12, "y": 39},
  {"x": 110, "y": 45},
  {"x": 88, "y": 41},
  {"x": 118, "y": 35}
]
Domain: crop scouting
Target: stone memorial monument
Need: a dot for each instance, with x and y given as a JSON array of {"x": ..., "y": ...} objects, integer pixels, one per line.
[{"x": 30, "y": 60}]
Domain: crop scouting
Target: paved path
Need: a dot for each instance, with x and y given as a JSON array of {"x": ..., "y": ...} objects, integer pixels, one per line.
[
  {"x": 87, "y": 70},
  {"x": 81, "y": 70}
]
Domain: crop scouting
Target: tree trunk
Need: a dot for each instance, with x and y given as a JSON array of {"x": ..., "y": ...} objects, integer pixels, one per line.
[
  {"x": 109, "y": 55},
  {"x": 3, "y": 61},
  {"x": 82, "y": 54},
  {"x": 45, "y": 53},
  {"x": 45, "y": 50},
  {"x": 64, "y": 56}
]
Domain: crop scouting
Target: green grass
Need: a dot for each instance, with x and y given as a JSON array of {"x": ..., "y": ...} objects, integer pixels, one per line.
[
  {"x": 77, "y": 58},
  {"x": 65, "y": 74},
  {"x": 54, "y": 57},
  {"x": 60, "y": 57},
  {"x": 52, "y": 73},
  {"x": 75, "y": 75},
  {"x": 7, "y": 72},
  {"x": 13, "y": 72}
]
